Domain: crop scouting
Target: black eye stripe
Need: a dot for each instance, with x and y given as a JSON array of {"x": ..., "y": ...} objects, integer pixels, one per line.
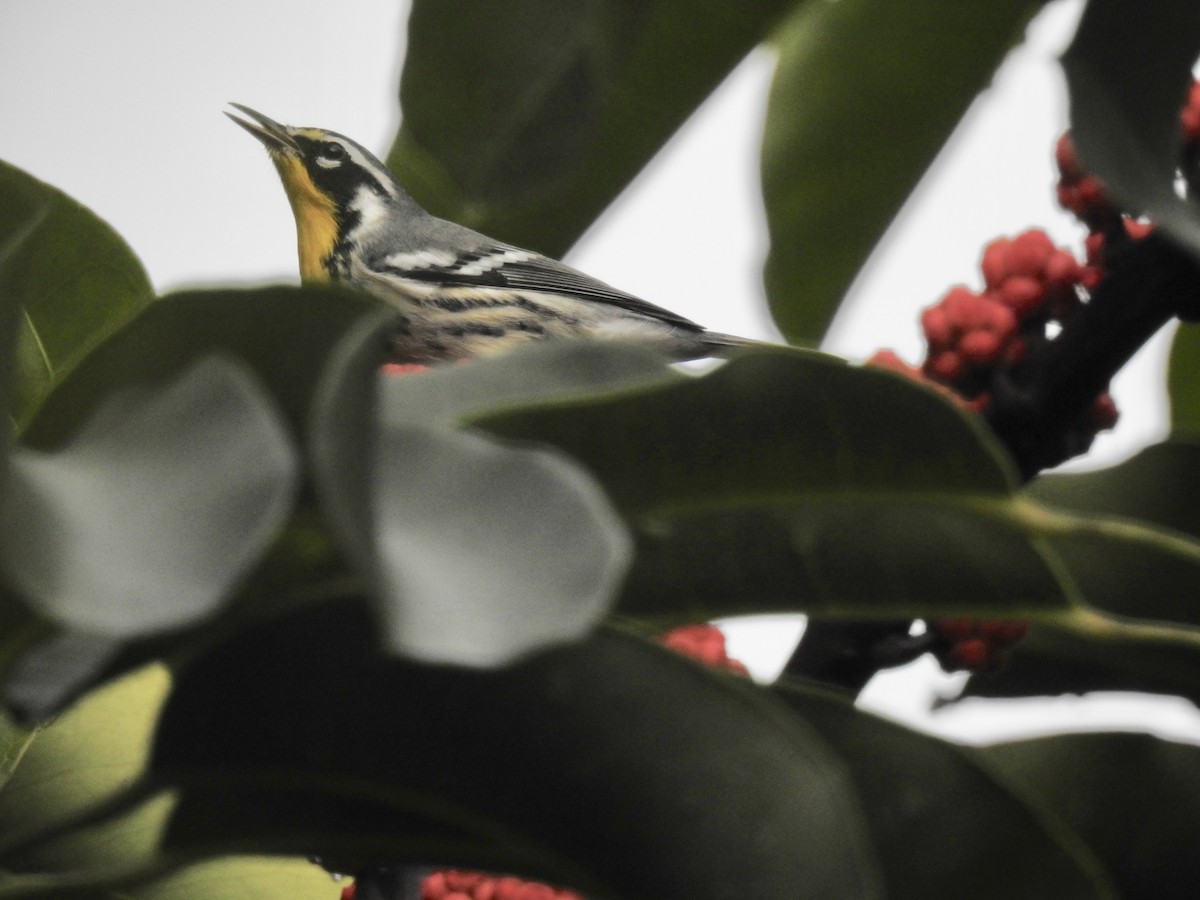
[{"x": 333, "y": 150}]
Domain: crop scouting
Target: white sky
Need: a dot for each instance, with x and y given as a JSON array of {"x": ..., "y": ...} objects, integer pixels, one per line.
[{"x": 119, "y": 104}]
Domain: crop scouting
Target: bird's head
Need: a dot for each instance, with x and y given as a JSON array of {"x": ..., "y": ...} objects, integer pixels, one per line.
[{"x": 336, "y": 187}]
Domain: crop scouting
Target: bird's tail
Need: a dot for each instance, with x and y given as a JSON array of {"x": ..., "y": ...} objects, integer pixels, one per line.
[{"x": 720, "y": 344}]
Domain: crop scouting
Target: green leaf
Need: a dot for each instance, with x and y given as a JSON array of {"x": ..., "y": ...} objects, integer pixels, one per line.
[
  {"x": 480, "y": 552},
  {"x": 282, "y": 333},
  {"x": 82, "y": 759},
  {"x": 1128, "y": 78},
  {"x": 1158, "y": 485},
  {"x": 240, "y": 878},
  {"x": 563, "y": 767},
  {"x": 865, "y": 95},
  {"x": 768, "y": 484},
  {"x": 76, "y": 280},
  {"x": 1133, "y": 798},
  {"x": 1183, "y": 381},
  {"x": 530, "y": 138},
  {"x": 940, "y": 820},
  {"x": 1053, "y": 660}
]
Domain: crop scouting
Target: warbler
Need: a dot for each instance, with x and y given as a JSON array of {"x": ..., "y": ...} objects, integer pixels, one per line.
[{"x": 459, "y": 293}]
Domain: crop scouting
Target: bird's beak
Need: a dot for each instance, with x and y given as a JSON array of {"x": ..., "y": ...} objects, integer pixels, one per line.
[{"x": 274, "y": 136}]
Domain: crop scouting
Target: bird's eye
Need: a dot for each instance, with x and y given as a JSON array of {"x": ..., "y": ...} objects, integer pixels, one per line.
[{"x": 333, "y": 150}]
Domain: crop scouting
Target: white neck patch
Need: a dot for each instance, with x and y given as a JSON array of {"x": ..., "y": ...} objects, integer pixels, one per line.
[{"x": 371, "y": 208}]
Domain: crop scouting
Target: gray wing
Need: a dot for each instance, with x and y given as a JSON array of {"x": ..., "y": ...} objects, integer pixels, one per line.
[{"x": 502, "y": 266}]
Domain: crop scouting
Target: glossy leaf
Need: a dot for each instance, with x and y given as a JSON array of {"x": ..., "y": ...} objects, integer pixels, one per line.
[
  {"x": 864, "y": 96},
  {"x": 1128, "y": 78},
  {"x": 757, "y": 487},
  {"x": 565, "y": 765},
  {"x": 940, "y": 819},
  {"x": 480, "y": 552},
  {"x": 1133, "y": 799},
  {"x": 74, "y": 277},
  {"x": 530, "y": 138}
]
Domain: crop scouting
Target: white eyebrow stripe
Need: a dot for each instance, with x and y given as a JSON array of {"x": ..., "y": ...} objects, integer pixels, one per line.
[{"x": 383, "y": 179}]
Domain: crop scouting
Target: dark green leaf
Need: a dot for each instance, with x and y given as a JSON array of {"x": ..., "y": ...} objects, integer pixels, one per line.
[
  {"x": 1183, "y": 381},
  {"x": 1133, "y": 799},
  {"x": 480, "y": 551},
  {"x": 789, "y": 480},
  {"x": 1160, "y": 485},
  {"x": 1128, "y": 77},
  {"x": 865, "y": 95},
  {"x": 526, "y": 118},
  {"x": 76, "y": 280},
  {"x": 284, "y": 334},
  {"x": 1052, "y": 660},
  {"x": 943, "y": 824},
  {"x": 565, "y": 764}
]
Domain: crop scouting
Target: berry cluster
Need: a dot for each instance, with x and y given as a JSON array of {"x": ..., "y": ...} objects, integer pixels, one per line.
[
  {"x": 704, "y": 643},
  {"x": 978, "y": 340},
  {"x": 452, "y": 884},
  {"x": 976, "y": 646}
]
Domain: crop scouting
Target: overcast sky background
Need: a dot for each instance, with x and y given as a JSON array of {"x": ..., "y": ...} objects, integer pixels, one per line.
[{"x": 119, "y": 104}]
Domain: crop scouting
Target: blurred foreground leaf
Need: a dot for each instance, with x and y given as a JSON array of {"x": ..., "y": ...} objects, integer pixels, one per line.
[
  {"x": 480, "y": 551},
  {"x": 1133, "y": 799},
  {"x": 698, "y": 788}
]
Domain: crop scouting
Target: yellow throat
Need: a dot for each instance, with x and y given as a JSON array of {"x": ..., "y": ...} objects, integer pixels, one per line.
[{"x": 316, "y": 217}]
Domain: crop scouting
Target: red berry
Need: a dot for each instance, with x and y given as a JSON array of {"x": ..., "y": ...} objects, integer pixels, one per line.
[
  {"x": 995, "y": 262},
  {"x": 1137, "y": 230},
  {"x": 457, "y": 895},
  {"x": 980, "y": 347},
  {"x": 348, "y": 892},
  {"x": 1104, "y": 413},
  {"x": 1029, "y": 252},
  {"x": 1024, "y": 296},
  {"x": 457, "y": 880},
  {"x": 1091, "y": 196},
  {"x": 936, "y": 325},
  {"x": 506, "y": 888},
  {"x": 434, "y": 886},
  {"x": 888, "y": 359},
  {"x": 947, "y": 366},
  {"x": 1064, "y": 155},
  {"x": 1061, "y": 271},
  {"x": 972, "y": 654}
]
